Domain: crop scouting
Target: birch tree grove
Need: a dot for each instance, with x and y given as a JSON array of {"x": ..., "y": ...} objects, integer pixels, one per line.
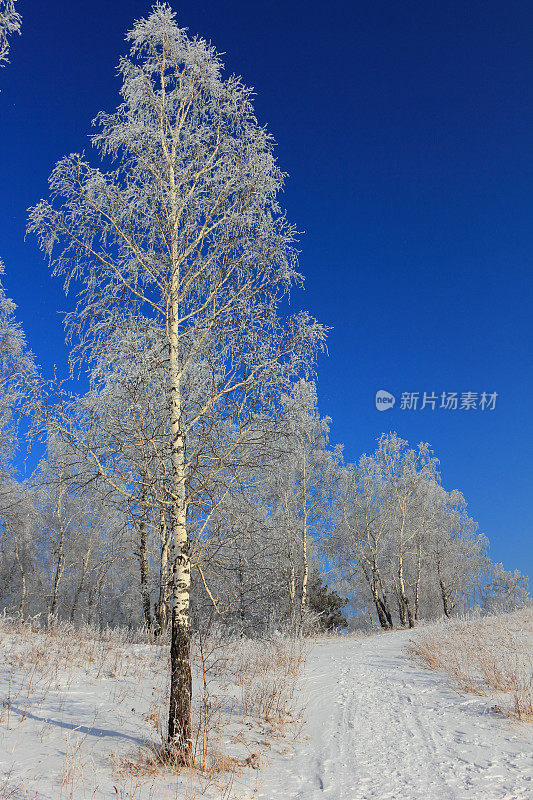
[
  {"x": 400, "y": 535},
  {"x": 182, "y": 235}
]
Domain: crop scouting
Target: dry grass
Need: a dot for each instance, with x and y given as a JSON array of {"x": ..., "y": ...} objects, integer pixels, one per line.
[
  {"x": 61, "y": 647},
  {"x": 244, "y": 700},
  {"x": 246, "y": 694},
  {"x": 266, "y": 673},
  {"x": 483, "y": 656}
]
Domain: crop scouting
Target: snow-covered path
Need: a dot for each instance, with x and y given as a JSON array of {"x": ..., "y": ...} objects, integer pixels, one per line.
[{"x": 380, "y": 727}]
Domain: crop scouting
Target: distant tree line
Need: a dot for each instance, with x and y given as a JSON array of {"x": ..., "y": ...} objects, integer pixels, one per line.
[{"x": 300, "y": 535}]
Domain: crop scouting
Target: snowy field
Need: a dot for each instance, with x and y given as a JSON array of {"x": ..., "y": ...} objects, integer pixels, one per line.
[{"x": 80, "y": 718}]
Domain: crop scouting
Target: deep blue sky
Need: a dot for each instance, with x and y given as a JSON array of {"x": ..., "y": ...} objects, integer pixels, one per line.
[{"x": 407, "y": 132}]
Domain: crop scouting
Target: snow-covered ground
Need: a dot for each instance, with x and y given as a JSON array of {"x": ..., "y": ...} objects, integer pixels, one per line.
[
  {"x": 81, "y": 717},
  {"x": 379, "y": 726}
]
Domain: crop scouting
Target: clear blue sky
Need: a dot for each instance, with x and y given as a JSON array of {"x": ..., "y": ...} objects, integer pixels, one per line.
[{"x": 407, "y": 132}]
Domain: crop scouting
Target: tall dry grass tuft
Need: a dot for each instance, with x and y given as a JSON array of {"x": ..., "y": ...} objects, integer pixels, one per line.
[
  {"x": 492, "y": 654},
  {"x": 266, "y": 673}
]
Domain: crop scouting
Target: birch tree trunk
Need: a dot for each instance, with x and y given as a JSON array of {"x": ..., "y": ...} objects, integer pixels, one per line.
[
  {"x": 401, "y": 610},
  {"x": 444, "y": 595},
  {"x": 242, "y": 602},
  {"x": 143, "y": 566},
  {"x": 385, "y": 603},
  {"x": 417, "y": 585},
  {"x": 292, "y": 593},
  {"x": 60, "y": 564},
  {"x": 377, "y": 602},
  {"x": 179, "y": 720},
  {"x": 81, "y": 585},
  {"x": 372, "y": 581},
  {"x": 388, "y": 612},
  {"x": 22, "y": 582},
  {"x": 403, "y": 594},
  {"x": 404, "y": 599},
  {"x": 305, "y": 574},
  {"x": 163, "y": 605},
  {"x": 179, "y": 717}
]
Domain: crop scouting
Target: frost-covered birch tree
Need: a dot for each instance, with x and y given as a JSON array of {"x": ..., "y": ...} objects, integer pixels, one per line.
[
  {"x": 17, "y": 377},
  {"x": 17, "y": 368},
  {"x": 455, "y": 551},
  {"x": 402, "y": 470},
  {"x": 10, "y": 21},
  {"x": 361, "y": 545},
  {"x": 505, "y": 591},
  {"x": 303, "y": 480},
  {"x": 184, "y": 230}
]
